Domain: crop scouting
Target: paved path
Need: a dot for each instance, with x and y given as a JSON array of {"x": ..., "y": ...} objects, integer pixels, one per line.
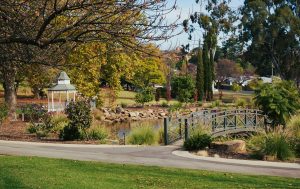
[{"x": 143, "y": 155}]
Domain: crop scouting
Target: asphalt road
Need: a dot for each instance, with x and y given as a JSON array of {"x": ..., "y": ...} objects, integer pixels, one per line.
[{"x": 142, "y": 155}]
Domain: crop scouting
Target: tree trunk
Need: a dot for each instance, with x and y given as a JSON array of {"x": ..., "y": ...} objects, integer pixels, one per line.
[
  {"x": 36, "y": 93},
  {"x": 168, "y": 87},
  {"x": 10, "y": 94}
]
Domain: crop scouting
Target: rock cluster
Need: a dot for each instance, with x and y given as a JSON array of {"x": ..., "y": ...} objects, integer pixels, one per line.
[
  {"x": 234, "y": 146},
  {"x": 120, "y": 114}
]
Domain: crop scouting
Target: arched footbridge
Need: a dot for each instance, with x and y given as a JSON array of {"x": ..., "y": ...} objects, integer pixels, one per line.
[{"x": 216, "y": 122}]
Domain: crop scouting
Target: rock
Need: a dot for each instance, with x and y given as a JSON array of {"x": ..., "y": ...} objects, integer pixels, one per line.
[
  {"x": 216, "y": 156},
  {"x": 135, "y": 118},
  {"x": 150, "y": 111},
  {"x": 132, "y": 114},
  {"x": 108, "y": 121},
  {"x": 202, "y": 153},
  {"x": 162, "y": 114},
  {"x": 235, "y": 146},
  {"x": 119, "y": 110},
  {"x": 105, "y": 111}
]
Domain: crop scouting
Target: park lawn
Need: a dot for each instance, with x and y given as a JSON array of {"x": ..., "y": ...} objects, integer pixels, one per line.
[
  {"x": 34, "y": 172},
  {"x": 128, "y": 98}
]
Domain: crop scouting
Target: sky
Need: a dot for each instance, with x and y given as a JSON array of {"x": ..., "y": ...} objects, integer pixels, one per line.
[{"x": 184, "y": 8}]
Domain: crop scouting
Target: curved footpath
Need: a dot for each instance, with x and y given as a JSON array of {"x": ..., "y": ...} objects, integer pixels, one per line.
[{"x": 165, "y": 156}]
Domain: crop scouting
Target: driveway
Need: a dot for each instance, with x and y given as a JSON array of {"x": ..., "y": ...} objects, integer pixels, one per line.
[{"x": 142, "y": 155}]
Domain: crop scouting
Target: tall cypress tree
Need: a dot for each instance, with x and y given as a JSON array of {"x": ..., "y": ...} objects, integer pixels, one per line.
[
  {"x": 206, "y": 70},
  {"x": 200, "y": 76},
  {"x": 211, "y": 76}
]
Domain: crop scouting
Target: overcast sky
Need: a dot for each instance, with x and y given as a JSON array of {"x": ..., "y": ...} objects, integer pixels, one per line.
[{"x": 185, "y": 7}]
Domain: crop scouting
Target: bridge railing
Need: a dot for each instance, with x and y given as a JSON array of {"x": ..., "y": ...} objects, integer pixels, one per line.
[{"x": 217, "y": 122}]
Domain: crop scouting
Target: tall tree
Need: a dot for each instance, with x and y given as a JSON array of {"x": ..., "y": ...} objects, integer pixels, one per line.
[
  {"x": 43, "y": 26},
  {"x": 271, "y": 31},
  {"x": 220, "y": 18},
  {"x": 200, "y": 76}
]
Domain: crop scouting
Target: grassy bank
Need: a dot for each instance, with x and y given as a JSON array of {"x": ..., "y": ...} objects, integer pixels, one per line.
[{"x": 33, "y": 172}]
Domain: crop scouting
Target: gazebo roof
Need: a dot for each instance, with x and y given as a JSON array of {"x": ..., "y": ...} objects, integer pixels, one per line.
[
  {"x": 63, "y": 83},
  {"x": 62, "y": 87},
  {"x": 63, "y": 76}
]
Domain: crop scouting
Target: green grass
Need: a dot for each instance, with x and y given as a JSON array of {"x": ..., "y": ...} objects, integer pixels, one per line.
[
  {"x": 33, "y": 172},
  {"x": 128, "y": 97}
]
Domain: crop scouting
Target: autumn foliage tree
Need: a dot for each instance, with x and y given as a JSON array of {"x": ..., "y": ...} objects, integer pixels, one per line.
[
  {"x": 227, "y": 68},
  {"x": 45, "y": 31}
]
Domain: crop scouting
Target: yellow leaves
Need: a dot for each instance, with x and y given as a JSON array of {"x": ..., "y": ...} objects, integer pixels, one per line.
[{"x": 85, "y": 72}]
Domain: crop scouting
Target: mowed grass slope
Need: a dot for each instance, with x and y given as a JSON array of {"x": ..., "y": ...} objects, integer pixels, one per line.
[{"x": 33, "y": 172}]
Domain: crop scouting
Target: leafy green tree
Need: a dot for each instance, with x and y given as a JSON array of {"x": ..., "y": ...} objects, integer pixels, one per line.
[
  {"x": 86, "y": 60},
  {"x": 145, "y": 95},
  {"x": 79, "y": 114},
  {"x": 279, "y": 100},
  {"x": 183, "y": 88},
  {"x": 38, "y": 78},
  {"x": 271, "y": 28},
  {"x": 149, "y": 70}
]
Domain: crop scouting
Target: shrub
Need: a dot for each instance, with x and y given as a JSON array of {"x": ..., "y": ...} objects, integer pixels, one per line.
[
  {"x": 41, "y": 133},
  {"x": 142, "y": 135},
  {"x": 40, "y": 125},
  {"x": 197, "y": 141},
  {"x": 124, "y": 105},
  {"x": 236, "y": 87},
  {"x": 175, "y": 107},
  {"x": 275, "y": 144},
  {"x": 164, "y": 104},
  {"x": 145, "y": 95},
  {"x": 161, "y": 136},
  {"x": 240, "y": 102},
  {"x": 59, "y": 121},
  {"x": 293, "y": 127},
  {"x": 96, "y": 133},
  {"x": 70, "y": 132},
  {"x": 278, "y": 100},
  {"x": 183, "y": 88},
  {"x": 216, "y": 103},
  {"x": 200, "y": 103},
  {"x": 3, "y": 112},
  {"x": 31, "y": 128},
  {"x": 34, "y": 112},
  {"x": 79, "y": 114}
]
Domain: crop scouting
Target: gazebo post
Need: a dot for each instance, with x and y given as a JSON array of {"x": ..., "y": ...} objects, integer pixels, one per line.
[
  {"x": 48, "y": 102},
  {"x": 52, "y": 101},
  {"x": 67, "y": 96},
  {"x": 74, "y": 96},
  {"x": 60, "y": 105}
]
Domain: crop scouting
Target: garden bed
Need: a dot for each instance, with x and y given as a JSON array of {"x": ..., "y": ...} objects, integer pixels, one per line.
[
  {"x": 236, "y": 155},
  {"x": 17, "y": 131}
]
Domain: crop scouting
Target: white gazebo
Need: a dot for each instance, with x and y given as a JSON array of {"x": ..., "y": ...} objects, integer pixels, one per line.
[{"x": 61, "y": 94}]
